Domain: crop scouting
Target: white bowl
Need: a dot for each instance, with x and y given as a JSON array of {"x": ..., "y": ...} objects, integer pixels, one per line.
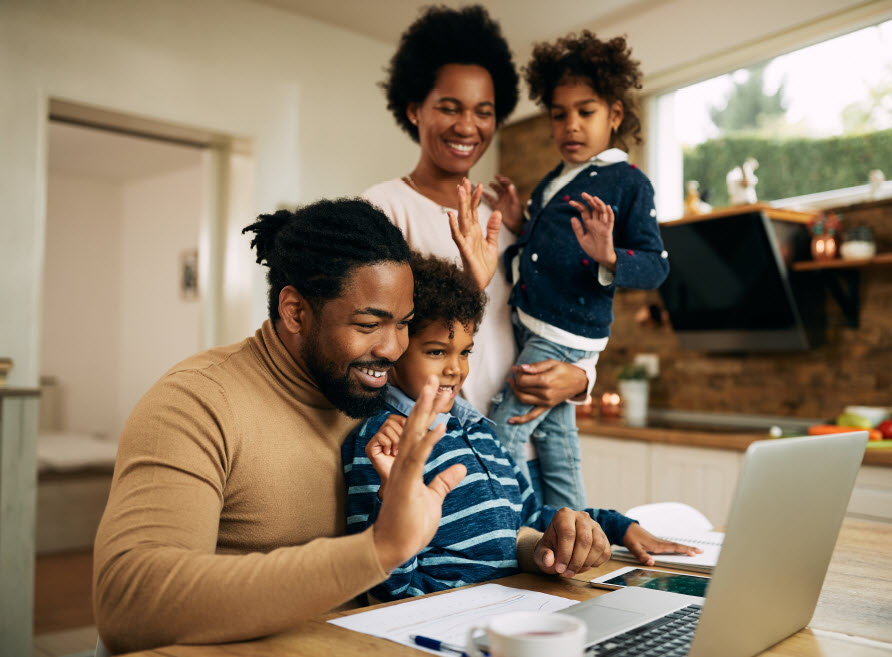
[
  {"x": 873, "y": 414},
  {"x": 857, "y": 250}
]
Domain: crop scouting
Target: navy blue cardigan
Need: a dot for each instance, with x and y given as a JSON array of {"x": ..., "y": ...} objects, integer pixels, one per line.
[{"x": 558, "y": 281}]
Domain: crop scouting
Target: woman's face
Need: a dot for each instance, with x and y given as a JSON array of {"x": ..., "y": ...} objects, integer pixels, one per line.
[{"x": 457, "y": 120}]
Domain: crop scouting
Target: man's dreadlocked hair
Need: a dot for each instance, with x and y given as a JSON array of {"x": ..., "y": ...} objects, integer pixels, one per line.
[{"x": 316, "y": 247}]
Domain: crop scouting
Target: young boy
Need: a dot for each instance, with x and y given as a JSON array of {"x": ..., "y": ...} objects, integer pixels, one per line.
[
  {"x": 591, "y": 228},
  {"x": 476, "y": 539}
]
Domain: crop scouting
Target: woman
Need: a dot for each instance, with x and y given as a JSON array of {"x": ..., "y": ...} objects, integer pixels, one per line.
[{"x": 450, "y": 84}]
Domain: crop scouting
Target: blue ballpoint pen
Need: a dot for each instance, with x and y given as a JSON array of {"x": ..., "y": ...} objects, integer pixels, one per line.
[{"x": 433, "y": 644}]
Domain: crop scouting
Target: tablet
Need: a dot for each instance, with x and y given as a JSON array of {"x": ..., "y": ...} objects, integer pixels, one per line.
[{"x": 649, "y": 578}]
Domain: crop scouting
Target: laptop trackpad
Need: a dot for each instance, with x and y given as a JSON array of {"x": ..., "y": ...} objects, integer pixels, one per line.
[
  {"x": 603, "y": 622},
  {"x": 616, "y": 612}
]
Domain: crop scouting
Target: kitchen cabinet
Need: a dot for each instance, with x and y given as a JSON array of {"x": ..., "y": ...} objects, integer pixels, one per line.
[
  {"x": 620, "y": 473},
  {"x": 616, "y": 472}
]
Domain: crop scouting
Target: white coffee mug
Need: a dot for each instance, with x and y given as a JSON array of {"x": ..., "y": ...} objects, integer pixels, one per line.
[{"x": 529, "y": 634}]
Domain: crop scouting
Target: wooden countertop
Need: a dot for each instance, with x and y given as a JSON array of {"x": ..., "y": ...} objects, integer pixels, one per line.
[{"x": 700, "y": 438}]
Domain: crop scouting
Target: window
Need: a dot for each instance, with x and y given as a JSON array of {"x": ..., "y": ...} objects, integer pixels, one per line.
[{"x": 816, "y": 120}]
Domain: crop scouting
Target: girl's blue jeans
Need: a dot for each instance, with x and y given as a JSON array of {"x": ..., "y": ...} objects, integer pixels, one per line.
[{"x": 559, "y": 480}]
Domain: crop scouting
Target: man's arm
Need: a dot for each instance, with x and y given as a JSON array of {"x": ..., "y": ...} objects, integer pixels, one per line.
[{"x": 157, "y": 577}]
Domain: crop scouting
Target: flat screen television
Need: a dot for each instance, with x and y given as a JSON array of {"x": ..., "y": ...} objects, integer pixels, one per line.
[{"x": 730, "y": 287}]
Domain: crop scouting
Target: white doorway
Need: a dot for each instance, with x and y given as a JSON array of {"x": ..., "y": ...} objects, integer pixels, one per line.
[{"x": 121, "y": 302}]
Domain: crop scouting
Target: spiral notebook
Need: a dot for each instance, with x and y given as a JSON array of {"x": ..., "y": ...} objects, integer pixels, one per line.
[
  {"x": 709, "y": 542},
  {"x": 681, "y": 523}
]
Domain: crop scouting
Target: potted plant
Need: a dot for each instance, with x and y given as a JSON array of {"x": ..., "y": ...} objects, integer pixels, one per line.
[{"x": 634, "y": 388}]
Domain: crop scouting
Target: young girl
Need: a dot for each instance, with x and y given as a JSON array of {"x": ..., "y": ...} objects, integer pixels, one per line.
[{"x": 591, "y": 228}]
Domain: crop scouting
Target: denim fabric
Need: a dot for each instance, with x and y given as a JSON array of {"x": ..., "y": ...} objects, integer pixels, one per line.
[{"x": 554, "y": 432}]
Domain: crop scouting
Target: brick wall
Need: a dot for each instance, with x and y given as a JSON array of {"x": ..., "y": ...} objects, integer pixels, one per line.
[{"x": 853, "y": 366}]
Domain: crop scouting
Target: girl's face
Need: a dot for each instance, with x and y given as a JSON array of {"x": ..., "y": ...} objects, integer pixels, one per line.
[
  {"x": 582, "y": 122},
  {"x": 437, "y": 350},
  {"x": 457, "y": 120}
]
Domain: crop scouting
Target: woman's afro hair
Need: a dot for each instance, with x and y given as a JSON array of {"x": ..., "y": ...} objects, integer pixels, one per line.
[
  {"x": 606, "y": 66},
  {"x": 443, "y": 292},
  {"x": 440, "y": 36}
]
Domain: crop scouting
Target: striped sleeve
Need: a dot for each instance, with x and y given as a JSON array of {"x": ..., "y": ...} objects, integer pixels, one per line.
[{"x": 361, "y": 479}]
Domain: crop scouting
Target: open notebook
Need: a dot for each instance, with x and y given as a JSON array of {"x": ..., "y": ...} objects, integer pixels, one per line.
[{"x": 680, "y": 523}]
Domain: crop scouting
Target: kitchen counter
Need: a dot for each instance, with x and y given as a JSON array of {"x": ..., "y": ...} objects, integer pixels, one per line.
[{"x": 690, "y": 434}]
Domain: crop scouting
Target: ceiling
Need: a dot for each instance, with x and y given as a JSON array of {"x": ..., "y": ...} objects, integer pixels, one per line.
[
  {"x": 523, "y": 21},
  {"x": 118, "y": 158}
]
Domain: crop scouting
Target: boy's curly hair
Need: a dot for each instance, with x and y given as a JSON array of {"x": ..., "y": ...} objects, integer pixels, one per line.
[
  {"x": 606, "y": 66},
  {"x": 443, "y": 292},
  {"x": 440, "y": 36}
]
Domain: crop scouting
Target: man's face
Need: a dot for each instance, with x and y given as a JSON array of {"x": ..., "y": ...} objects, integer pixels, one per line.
[{"x": 351, "y": 344}]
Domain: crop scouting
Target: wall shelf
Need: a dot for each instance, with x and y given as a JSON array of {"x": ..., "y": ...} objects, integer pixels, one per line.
[
  {"x": 881, "y": 259},
  {"x": 843, "y": 278}
]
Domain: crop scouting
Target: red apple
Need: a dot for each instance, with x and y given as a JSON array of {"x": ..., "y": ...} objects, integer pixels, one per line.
[{"x": 885, "y": 428}]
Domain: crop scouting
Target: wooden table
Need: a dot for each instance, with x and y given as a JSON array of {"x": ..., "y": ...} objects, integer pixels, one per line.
[{"x": 853, "y": 617}]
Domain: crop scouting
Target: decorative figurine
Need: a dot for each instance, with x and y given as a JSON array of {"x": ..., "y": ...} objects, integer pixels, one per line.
[
  {"x": 742, "y": 183},
  {"x": 692, "y": 202},
  {"x": 875, "y": 181}
]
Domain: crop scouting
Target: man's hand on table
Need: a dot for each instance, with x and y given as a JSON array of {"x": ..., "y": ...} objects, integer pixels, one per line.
[
  {"x": 572, "y": 543},
  {"x": 410, "y": 511},
  {"x": 640, "y": 542}
]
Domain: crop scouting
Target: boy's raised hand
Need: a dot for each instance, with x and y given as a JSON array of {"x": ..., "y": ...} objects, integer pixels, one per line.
[
  {"x": 384, "y": 446},
  {"x": 410, "y": 513},
  {"x": 594, "y": 230},
  {"x": 479, "y": 252},
  {"x": 506, "y": 201}
]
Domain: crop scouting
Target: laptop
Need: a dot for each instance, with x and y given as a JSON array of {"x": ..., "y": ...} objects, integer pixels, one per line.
[{"x": 791, "y": 497}]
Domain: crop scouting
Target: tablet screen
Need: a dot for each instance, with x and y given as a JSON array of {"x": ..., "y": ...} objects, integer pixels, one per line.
[{"x": 662, "y": 581}]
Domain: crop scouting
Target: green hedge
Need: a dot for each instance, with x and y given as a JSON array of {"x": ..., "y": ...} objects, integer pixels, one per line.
[{"x": 789, "y": 167}]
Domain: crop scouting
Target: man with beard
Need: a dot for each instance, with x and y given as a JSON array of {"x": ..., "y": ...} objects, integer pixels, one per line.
[{"x": 225, "y": 519}]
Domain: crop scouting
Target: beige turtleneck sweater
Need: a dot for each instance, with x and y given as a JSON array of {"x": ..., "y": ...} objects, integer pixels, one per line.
[{"x": 226, "y": 514}]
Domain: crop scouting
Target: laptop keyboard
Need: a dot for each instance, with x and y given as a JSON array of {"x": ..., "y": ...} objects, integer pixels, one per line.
[{"x": 667, "y": 636}]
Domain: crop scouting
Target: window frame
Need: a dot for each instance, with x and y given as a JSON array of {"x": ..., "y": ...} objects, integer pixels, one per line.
[{"x": 662, "y": 154}]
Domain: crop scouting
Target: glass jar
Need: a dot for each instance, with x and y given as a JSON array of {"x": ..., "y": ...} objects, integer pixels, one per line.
[{"x": 858, "y": 243}]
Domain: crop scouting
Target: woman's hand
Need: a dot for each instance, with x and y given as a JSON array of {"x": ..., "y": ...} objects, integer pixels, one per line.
[
  {"x": 640, "y": 542},
  {"x": 479, "y": 253},
  {"x": 545, "y": 384},
  {"x": 597, "y": 237},
  {"x": 383, "y": 448},
  {"x": 506, "y": 201}
]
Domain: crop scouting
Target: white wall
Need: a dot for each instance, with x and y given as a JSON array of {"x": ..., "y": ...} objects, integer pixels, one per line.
[
  {"x": 157, "y": 327},
  {"x": 81, "y": 303},
  {"x": 114, "y": 318},
  {"x": 305, "y": 93}
]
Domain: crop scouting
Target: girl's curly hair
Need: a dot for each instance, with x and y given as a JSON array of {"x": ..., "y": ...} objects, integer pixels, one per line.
[
  {"x": 606, "y": 66},
  {"x": 440, "y": 36}
]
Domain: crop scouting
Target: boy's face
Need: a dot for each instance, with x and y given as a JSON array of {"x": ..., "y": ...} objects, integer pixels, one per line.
[
  {"x": 581, "y": 121},
  {"x": 435, "y": 350}
]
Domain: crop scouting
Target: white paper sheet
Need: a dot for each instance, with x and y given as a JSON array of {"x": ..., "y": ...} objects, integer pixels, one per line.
[{"x": 448, "y": 617}]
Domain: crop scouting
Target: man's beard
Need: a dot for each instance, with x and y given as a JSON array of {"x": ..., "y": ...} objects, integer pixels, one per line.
[{"x": 339, "y": 390}]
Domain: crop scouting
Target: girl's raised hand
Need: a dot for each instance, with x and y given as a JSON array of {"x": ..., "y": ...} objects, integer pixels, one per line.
[
  {"x": 506, "y": 201},
  {"x": 479, "y": 252},
  {"x": 594, "y": 230}
]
